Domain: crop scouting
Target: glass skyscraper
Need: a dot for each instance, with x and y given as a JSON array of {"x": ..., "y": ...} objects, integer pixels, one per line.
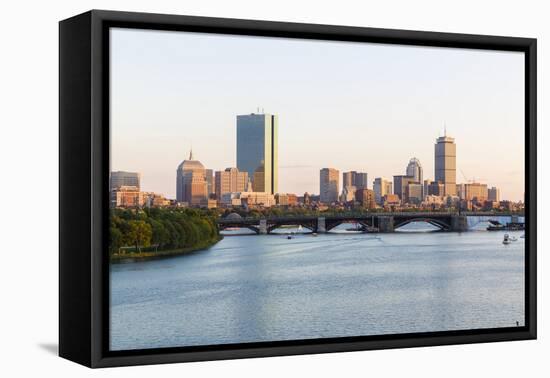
[{"x": 257, "y": 150}]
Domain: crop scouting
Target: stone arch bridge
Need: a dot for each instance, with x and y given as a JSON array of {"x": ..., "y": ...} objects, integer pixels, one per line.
[{"x": 373, "y": 222}]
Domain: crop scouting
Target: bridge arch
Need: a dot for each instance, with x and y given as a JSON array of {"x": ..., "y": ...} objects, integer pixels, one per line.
[
  {"x": 228, "y": 228},
  {"x": 275, "y": 226},
  {"x": 332, "y": 224},
  {"x": 442, "y": 225}
]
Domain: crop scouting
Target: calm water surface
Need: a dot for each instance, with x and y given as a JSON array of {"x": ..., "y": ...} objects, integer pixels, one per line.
[{"x": 266, "y": 288}]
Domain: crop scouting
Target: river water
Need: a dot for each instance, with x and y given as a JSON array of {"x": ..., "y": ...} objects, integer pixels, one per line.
[{"x": 269, "y": 288}]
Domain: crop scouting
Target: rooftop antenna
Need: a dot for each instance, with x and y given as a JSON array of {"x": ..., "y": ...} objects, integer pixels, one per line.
[
  {"x": 445, "y": 128},
  {"x": 258, "y": 109}
]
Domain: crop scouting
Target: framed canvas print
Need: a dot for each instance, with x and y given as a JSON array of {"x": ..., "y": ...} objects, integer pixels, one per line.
[{"x": 235, "y": 188}]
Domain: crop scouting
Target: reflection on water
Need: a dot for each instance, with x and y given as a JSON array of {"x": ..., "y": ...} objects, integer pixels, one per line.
[{"x": 266, "y": 288}]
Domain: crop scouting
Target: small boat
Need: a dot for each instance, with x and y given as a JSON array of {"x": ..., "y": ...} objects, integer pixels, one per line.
[
  {"x": 495, "y": 226},
  {"x": 513, "y": 238},
  {"x": 289, "y": 237},
  {"x": 506, "y": 239},
  {"x": 313, "y": 234}
]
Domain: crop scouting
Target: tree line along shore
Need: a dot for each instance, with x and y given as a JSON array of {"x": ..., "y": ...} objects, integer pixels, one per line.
[{"x": 155, "y": 232}]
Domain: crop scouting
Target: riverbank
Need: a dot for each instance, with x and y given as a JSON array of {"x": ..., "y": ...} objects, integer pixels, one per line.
[{"x": 150, "y": 255}]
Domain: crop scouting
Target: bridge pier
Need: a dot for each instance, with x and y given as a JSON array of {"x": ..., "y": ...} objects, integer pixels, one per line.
[
  {"x": 386, "y": 224},
  {"x": 321, "y": 225},
  {"x": 459, "y": 223},
  {"x": 263, "y": 227}
]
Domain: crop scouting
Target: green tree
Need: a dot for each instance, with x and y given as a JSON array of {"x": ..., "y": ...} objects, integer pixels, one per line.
[
  {"x": 116, "y": 239},
  {"x": 170, "y": 229},
  {"x": 140, "y": 234},
  {"x": 160, "y": 235},
  {"x": 173, "y": 235}
]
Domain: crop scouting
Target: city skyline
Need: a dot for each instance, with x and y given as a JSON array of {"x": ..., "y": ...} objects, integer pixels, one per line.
[
  {"x": 193, "y": 179},
  {"x": 336, "y": 130}
]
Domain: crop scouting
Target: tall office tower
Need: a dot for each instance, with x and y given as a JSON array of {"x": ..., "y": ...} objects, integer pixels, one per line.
[
  {"x": 361, "y": 180},
  {"x": 445, "y": 164},
  {"x": 400, "y": 183},
  {"x": 230, "y": 181},
  {"x": 257, "y": 150},
  {"x": 329, "y": 185},
  {"x": 381, "y": 187},
  {"x": 357, "y": 179},
  {"x": 121, "y": 178},
  {"x": 493, "y": 194},
  {"x": 191, "y": 184},
  {"x": 414, "y": 169},
  {"x": 347, "y": 179},
  {"x": 209, "y": 173}
]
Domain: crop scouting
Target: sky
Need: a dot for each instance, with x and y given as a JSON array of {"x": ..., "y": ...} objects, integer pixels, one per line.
[{"x": 344, "y": 105}]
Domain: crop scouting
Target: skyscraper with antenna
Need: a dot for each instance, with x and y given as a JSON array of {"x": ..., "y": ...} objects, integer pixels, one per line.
[{"x": 445, "y": 163}]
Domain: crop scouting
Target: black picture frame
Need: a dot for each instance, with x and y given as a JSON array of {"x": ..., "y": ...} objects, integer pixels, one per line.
[{"x": 83, "y": 180}]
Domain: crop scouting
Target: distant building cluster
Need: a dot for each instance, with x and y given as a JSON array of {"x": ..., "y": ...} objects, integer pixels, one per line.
[
  {"x": 254, "y": 180},
  {"x": 125, "y": 191},
  {"x": 411, "y": 190}
]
